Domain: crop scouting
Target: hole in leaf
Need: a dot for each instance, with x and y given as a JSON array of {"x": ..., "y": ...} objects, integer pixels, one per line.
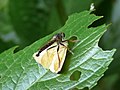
[
  {"x": 86, "y": 88},
  {"x": 75, "y": 89},
  {"x": 72, "y": 41},
  {"x": 75, "y": 75},
  {"x": 73, "y": 38}
]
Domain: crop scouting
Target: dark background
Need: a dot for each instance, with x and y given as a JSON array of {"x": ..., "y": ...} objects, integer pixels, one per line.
[{"x": 24, "y": 21}]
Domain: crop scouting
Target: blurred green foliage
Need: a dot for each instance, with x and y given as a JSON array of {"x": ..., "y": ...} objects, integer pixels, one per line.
[{"x": 23, "y": 22}]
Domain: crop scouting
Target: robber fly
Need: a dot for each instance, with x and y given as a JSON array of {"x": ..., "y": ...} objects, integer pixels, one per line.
[{"x": 52, "y": 55}]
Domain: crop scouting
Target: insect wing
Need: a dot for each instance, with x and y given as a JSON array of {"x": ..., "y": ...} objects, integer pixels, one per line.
[
  {"x": 45, "y": 58},
  {"x": 59, "y": 58},
  {"x": 51, "y": 59}
]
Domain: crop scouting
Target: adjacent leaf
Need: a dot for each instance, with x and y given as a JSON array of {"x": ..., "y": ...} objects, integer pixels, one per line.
[
  {"x": 77, "y": 6},
  {"x": 8, "y": 38},
  {"x": 30, "y": 17},
  {"x": 108, "y": 42},
  {"x": 3, "y": 3},
  {"x": 21, "y": 72}
]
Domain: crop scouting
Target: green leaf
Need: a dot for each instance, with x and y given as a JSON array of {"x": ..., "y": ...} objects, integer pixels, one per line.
[
  {"x": 31, "y": 18},
  {"x": 20, "y": 71},
  {"x": 3, "y": 3},
  {"x": 108, "y": 42}
]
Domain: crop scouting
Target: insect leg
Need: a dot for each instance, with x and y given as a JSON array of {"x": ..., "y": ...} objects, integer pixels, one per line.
[
  {"x": 51, "y": 47},
  {"x": 58, "y": 55},
  {"x": 67, "y": 48},
  {"x": 71, "y": 40},
  {"x": 47, "y": 49}
]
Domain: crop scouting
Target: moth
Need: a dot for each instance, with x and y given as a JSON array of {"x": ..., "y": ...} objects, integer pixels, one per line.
[{"x": 52, "y": 55}]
